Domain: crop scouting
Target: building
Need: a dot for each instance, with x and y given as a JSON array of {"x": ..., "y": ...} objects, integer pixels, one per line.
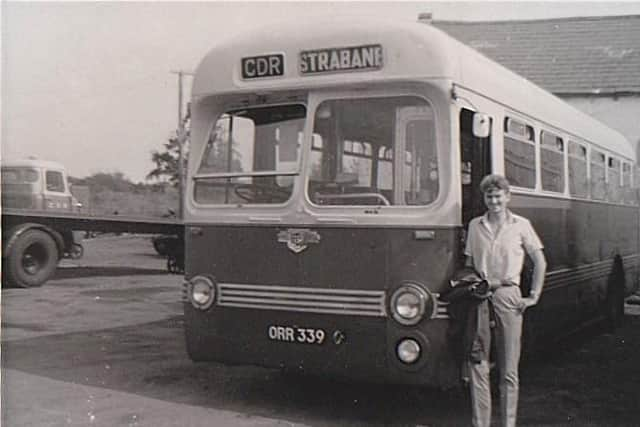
[{"x": 592, "y": 63}]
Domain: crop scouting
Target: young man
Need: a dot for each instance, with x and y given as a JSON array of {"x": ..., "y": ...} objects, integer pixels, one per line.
[{"x": 496, "y": 246}]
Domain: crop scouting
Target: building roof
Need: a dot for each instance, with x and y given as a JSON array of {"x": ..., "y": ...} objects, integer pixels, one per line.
[{"x": 571, "y": 56}]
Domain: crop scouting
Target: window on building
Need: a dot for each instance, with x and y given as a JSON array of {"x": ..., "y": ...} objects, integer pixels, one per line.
[
  {"x": 519, "y": 153},
  {"x": 578, "y": 179},
  {"x": 552, "y": 162}
]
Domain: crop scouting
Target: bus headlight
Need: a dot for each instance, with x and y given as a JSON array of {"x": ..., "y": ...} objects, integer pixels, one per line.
[
  {"x": 201, "y": 292},
  {"x": 408, "y": 350},
  {"x": 408, "y": 303}
]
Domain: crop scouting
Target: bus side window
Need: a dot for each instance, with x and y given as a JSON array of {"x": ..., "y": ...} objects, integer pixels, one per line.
[
  {"x": 552, "y": 162},
  {"x": 519, "y": 153},
  {"x": 635, "y": 195},
  {"x": 578, "y": 179},
  {"x": 598, "y": 186},
  {"x": 627, "y": 193},
  {"x": 614, "y": 190}
]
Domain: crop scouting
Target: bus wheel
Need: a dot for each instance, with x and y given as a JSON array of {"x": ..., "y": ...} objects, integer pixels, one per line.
[
  {"x": 77, "y": 250},
  {"x": 614, "y": 302},
  {"x": 32, "y": 260}
]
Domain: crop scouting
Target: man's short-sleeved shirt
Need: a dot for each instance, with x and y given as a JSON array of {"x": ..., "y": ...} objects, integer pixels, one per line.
[{"x": 500, "y": 256}]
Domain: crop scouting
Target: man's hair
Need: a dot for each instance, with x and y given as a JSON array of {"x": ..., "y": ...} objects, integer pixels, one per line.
[{"x": 494, "y": 181}]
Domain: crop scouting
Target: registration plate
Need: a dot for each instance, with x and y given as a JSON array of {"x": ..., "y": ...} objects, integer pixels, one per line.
[{"x": 296, "y": 334}]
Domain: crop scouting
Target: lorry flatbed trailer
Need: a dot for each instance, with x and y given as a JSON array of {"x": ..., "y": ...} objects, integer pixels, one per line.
[
  {"x": 34, "y": 241},
  {"x": 86, "y": 222}
]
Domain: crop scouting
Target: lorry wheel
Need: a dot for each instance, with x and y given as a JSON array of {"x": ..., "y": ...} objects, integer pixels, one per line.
[
  {"x": 32, "y": 260},
  {"x": 77, "y": 250}
]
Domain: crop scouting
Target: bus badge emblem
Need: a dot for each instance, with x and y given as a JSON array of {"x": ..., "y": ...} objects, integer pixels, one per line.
[{"x": 297, "y": 239}]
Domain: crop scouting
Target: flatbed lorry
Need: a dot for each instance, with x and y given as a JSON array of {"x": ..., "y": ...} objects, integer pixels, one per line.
[
  {"x": 40, "y": 217},
  {"x": 33, "y": 241}
]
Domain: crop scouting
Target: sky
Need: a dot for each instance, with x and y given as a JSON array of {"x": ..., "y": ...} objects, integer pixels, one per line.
[{"x": 92, "y": 85}]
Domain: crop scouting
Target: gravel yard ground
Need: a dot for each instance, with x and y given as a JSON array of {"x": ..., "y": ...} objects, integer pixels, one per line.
[{"x": 102, "y": 345}]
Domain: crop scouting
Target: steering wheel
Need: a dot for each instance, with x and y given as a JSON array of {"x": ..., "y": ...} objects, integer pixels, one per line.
[
  {"x": 261, "y": 193},
  {"x": 381, "y": 197}
]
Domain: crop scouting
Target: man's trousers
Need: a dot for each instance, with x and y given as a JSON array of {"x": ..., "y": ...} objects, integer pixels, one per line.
[{"x": 507, "y": 306}]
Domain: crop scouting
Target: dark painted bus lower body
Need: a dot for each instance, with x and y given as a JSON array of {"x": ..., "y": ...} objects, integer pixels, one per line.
[{"x": 358, "y": 342}]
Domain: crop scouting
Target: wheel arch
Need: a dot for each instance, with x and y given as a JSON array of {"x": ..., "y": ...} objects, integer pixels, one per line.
[{"x": 15, "y": 232}]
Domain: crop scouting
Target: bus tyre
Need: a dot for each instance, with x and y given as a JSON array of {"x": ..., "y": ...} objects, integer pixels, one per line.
[
  {"x": 32, "y": 260},
  {"x": 614, "y": 303}
]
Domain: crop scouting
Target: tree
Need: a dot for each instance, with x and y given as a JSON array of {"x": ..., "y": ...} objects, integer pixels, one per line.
[
  {"x": 215, "y": 157},
  {"x": 102, "y": 181},
  {"x": 167, "y": 161}
]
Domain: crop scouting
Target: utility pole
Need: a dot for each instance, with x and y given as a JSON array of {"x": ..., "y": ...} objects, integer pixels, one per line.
[{"x": 182, "y": 138}]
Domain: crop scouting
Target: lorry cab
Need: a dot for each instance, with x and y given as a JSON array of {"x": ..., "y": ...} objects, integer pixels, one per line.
[
  {"x": 31, "y": 250},
  {"x": 36, "y": 184}
]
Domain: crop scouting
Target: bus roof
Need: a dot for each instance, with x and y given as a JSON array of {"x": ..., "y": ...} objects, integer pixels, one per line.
[
  {"x": 412, "y": 50},
  {"x": 33, "y": 163}
]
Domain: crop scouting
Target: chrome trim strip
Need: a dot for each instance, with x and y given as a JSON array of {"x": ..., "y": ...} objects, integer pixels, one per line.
[
  {"x": 303, "y": 299},
  {"x": 302, "y": 289},
  {"x": 289, "y": 295},
  {"x": 312, "y": 300},
  {"x": 567, "y": 276},
  {"x": 185, "y": 292},
  {"x": 374, "y": 313},
  {"x": 284, "y": 302},
  {"x": 442, "y": 308}
]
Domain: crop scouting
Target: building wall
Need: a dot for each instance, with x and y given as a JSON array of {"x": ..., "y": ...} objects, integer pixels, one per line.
[{"x": 622, "y": 114}]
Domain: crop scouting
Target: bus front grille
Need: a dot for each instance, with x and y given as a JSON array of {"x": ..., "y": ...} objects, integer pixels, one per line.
[{"x": 312, "y": 300}]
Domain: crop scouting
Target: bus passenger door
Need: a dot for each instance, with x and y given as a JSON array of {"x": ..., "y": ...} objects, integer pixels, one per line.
[{"x": 475, "y": 160}]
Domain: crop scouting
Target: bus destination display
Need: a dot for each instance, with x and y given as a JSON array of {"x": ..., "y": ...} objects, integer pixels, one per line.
[
  {"x": 263, "y": 66},
  {"x": 353, "y": 58}
]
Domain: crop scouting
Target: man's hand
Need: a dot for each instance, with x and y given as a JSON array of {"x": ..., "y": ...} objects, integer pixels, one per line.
[{"x": 528, "y": 302}]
